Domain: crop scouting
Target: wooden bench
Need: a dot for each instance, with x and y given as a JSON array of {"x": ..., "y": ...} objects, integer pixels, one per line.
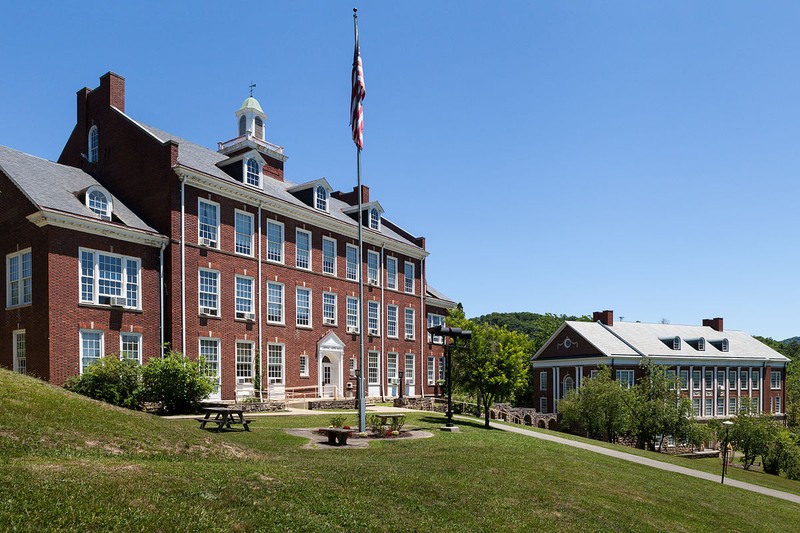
[{"x": 336, "y": 436}]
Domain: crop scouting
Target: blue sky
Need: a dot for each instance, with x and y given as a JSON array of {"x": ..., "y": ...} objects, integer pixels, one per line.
[{"x": 559, "y": 156}]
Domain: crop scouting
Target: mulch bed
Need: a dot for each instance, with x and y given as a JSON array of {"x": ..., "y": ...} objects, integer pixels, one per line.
[{"x": 320, "y": 442}]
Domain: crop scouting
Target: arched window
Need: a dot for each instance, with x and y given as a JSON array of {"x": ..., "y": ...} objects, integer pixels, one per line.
[
  {"x": 322, "y": 198},
  {"x": 374, "y": 219},
  {"x": 676, "y": 343},
  {"x": 569, "y": 384},
  {"x": 93, "y": 142},
  {"x": 259, "y": 128},
  {"x": 253, "y": 173},
  {"x": 242, "y": 125},
  {"x": 99, "y": 202}
]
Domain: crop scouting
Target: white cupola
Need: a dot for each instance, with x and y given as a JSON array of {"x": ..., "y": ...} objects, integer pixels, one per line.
[{"x": 251, "y": 119}]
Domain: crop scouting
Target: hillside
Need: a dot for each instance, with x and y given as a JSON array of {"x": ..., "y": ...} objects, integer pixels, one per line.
[
  {"x": 538, "y": 327},
  {"x": 69, "y": 463}
]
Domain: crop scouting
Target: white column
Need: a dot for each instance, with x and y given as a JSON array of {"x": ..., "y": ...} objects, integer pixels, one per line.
[{"x": 703, "y": 391}]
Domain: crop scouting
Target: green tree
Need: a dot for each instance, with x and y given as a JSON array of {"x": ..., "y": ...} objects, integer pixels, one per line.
[
  {"x": 597, "y": 409},
  {"x": 752, "y": 433},
  {"x": 656, "y": 408},
  {"x": 109, "y": 380},
  {"x": 494, "y": 363},
  {"x": 175, "y": 382},
  {"x": 782, "y": 454}
]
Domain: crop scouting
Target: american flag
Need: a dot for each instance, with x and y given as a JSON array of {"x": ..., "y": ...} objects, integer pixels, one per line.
[{"x": 357, "y": 95}]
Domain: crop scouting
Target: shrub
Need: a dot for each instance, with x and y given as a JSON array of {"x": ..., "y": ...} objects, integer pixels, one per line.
[
  {"x": 338, "y": 421},
  {"x": 110, "y": 380},
  {"x": 176, "y": 383},
  {"x": 375, "y": 424}
]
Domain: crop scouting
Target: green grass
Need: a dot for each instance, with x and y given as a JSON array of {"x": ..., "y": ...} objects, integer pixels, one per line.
[{"x": 69, "y": 463}]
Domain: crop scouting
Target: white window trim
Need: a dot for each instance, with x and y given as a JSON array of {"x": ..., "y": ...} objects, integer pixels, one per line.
[
  {"x": 413, "y": 276},
  {"x": 245, "y": 172},
  {"x": 374, "y": 304},
  {"x": 771, "y": 373},
  {"x": 283, "y": 242},
  {"x": 93, "y": 149},
  {"x": 431, "y": 370},
  {"x": 96, "y": 278},
  {"x": 219, "y": 290},
  {"x": 304, "y": 374},
  {"x": 236, "y": 233},
  {"x": 219, "y": 220},
  {"x": 327, "y": 198},
  {"x": 283, "y": 364},
  {"x": 328, "y": 239},
  {"x": 377, "y": 219},
  {"x": 252, "y": 296},
  {"x": 131, "y": 334},
  {"x": 80, "y": 345},
  {"x": 377, "y": 367},
  {"x": 409, "y": 380},
  {"x": 310, "y": 308},
  {"x": 358, "y": 263},
  {"x": 391, "y": 259},
  {"x": 218, "y": 383},
  {"x": 297, "y": 232},
  {"x": 396, "y": 321},
  {"x": 412, "y": 323},
  {"x": 283, "y": 303},
  {"x": 543, "y": 381},
  {"x": 335, "y": 309},
  {"x": 109, "y": 201},
  {"x": 347, "y": 312},
  {"x": 21, "y": 289},
  {"x": 15, "y": 349},
  {"x": 374, "y": 280},
  {"x": 252, "y": 345}
]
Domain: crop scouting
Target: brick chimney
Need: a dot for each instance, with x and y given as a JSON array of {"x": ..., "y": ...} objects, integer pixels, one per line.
[
  {"x": 713, "y": 323},
  {"x": 351, "y": 198},
  {"x": 606, "y": 317},
  {"x": 112, "y": 89}
]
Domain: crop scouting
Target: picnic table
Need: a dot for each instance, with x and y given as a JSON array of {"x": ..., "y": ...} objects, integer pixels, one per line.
[{"x": 224, "y": 417}]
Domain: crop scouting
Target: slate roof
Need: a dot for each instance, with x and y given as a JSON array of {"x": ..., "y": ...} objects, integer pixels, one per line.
[
  {"x": 59, "y": 187},
  {"x": 432, "y": 292},
  {"x": 205, "y": 160},
  {"x": 635, "y": 338}
]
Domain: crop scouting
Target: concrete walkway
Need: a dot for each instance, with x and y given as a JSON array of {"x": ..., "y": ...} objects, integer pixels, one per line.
[{"x": 645, "y": 461}]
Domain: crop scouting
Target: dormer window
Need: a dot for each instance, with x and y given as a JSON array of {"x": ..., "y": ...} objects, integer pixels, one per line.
[
  {"x": 242, "y": 125},
  {"x": 676, "y": 343},
  {"x": 99, "y": 201},
  {"x": 253, "y": 172},
  {"x": 93, "y": 144},
  {"x": 322, "y": 198},
  {"x": 259, "y": 128},
  {"x": 724, "y": 345},
  {"x": 374, "y": 219},
  {"x": 701, "y": 344}
]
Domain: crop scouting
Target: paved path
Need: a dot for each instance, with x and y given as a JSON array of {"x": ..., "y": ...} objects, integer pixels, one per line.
[{"x": 645, "y": 461}]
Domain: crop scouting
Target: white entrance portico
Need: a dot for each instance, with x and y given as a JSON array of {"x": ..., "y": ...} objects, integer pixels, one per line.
[{"x": 330, "y": 357}]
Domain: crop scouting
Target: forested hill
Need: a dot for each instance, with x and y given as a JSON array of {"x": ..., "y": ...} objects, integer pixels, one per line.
[
  {"x": 536, "y": 326},
  {"x": 790, "y": 347}
]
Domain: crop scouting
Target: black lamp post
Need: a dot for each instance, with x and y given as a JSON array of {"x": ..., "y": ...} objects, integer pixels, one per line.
[
  {"x": 459, "y": 339},
  {"x": 727, "y": 425}
]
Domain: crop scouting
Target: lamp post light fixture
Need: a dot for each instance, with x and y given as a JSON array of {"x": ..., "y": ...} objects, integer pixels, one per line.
[
  {"x": 727, "y": 425},
  {"x": 458, "y": 340}
]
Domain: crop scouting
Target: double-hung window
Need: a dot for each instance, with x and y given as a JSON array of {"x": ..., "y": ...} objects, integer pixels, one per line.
[
  {"x": 321, "y": 198},
  {"x": 684, "y": 379},
  {"x": 244, "y": 362},
  {"x": 625, "y": 378},
  {"x": 743, "y": 375},
  {"x": 755, "y": 378},
  {"x": 208, "y": 223},
  {"x": 696, "y": 379},
  {"x": 372, "y": 368},
  {"x": 328, "y": 256},
  {"x": 208, "y": 296},
  {"x": 431, "y": 370},
  {"x": 303, "y": 249},
  {"x": 275, "y": 303},
  {"x": 253, "y": 170},
  {"x": 409, "y": 323},
  {"x": 774, "y": 379},
  {"x": 91, "y": 347},
  {"x": 352, "y": 313},
  {"x": 435, "y": 320},
  {"x": 130, "y": 347},
  {"x": 329, "y": 308},
  {"x": 391, "y": 321},
  {"x": 275, "y": 363},
  {"x": 274, "y": 241},
  {"x": 409, "y": 369},
  {"x": 373, "y": 318},
  {"x": 409, "y": 277},
  {"x": 244, "y": 233},
  {"x": 210, "y": 352},
  {"x": 304, "y": 366},
  {"x": 542, "y": 381},
  {"x": 352, "y": 262},
  {"x": 709, "y": 381},
  {"x": 20, "y": 363},
  {"x": 731, "y": 379},
  {"x": 373, "y": 260},
  {"x": 244, "y": 298},
  {"x": 19, "y": 278},
  {"x": 303, "y": 307},
  {"x": 110, "y": 279},
  {"x": 391, "y": 273}
]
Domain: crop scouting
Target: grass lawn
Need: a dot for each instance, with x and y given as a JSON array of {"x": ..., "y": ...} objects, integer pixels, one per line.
[{"x": 70, "y": 463}]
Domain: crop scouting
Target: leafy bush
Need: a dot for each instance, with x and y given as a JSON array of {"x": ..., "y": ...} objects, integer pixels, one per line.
[
  {"x": 398, "y": 423},
  {"x": 109, "y": 380},
  {"x": 375, "y": 424},
  {"x": 175, "y": 382},
  {"x": 782, "y": 455},
  {"x": 338, "y": 421}
]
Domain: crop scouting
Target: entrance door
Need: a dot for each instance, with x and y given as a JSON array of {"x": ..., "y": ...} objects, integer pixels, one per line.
[
  {"x": 327, "y": 387},
  {"x": 409, "y": 374}
]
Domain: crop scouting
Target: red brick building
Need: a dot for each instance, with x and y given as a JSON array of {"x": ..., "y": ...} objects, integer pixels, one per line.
[
  {"x": 716, "y": 368},
  {"x": 211, "y": 251}
]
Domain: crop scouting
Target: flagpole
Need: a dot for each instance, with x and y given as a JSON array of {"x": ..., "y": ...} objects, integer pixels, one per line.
[{"x": 362, "y": 404}]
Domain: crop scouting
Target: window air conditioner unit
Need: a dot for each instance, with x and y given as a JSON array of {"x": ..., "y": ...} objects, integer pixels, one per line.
[
  {"x": 208, "y": 311},
  {"x": 105, "y": 217},
  {"x": 250, "y": 317},
  {"x": 438, "y": 339},
  {"x": 118, "y": 301},
  {"x": 352, "y": 329},
  {"x": 409, "y": 336},
  {"x": 328, "y": 321},
  {"x": 373, "y": 331},
  {"x": 208, "y": 242},
  {"x": 373, "y": 282}
]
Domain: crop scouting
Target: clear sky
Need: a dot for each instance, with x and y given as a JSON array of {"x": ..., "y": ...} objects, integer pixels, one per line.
[{"x": 559, "y": 157}]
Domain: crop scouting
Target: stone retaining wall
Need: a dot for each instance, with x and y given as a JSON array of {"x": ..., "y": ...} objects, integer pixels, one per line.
[{"x": 262, "y": 407}]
